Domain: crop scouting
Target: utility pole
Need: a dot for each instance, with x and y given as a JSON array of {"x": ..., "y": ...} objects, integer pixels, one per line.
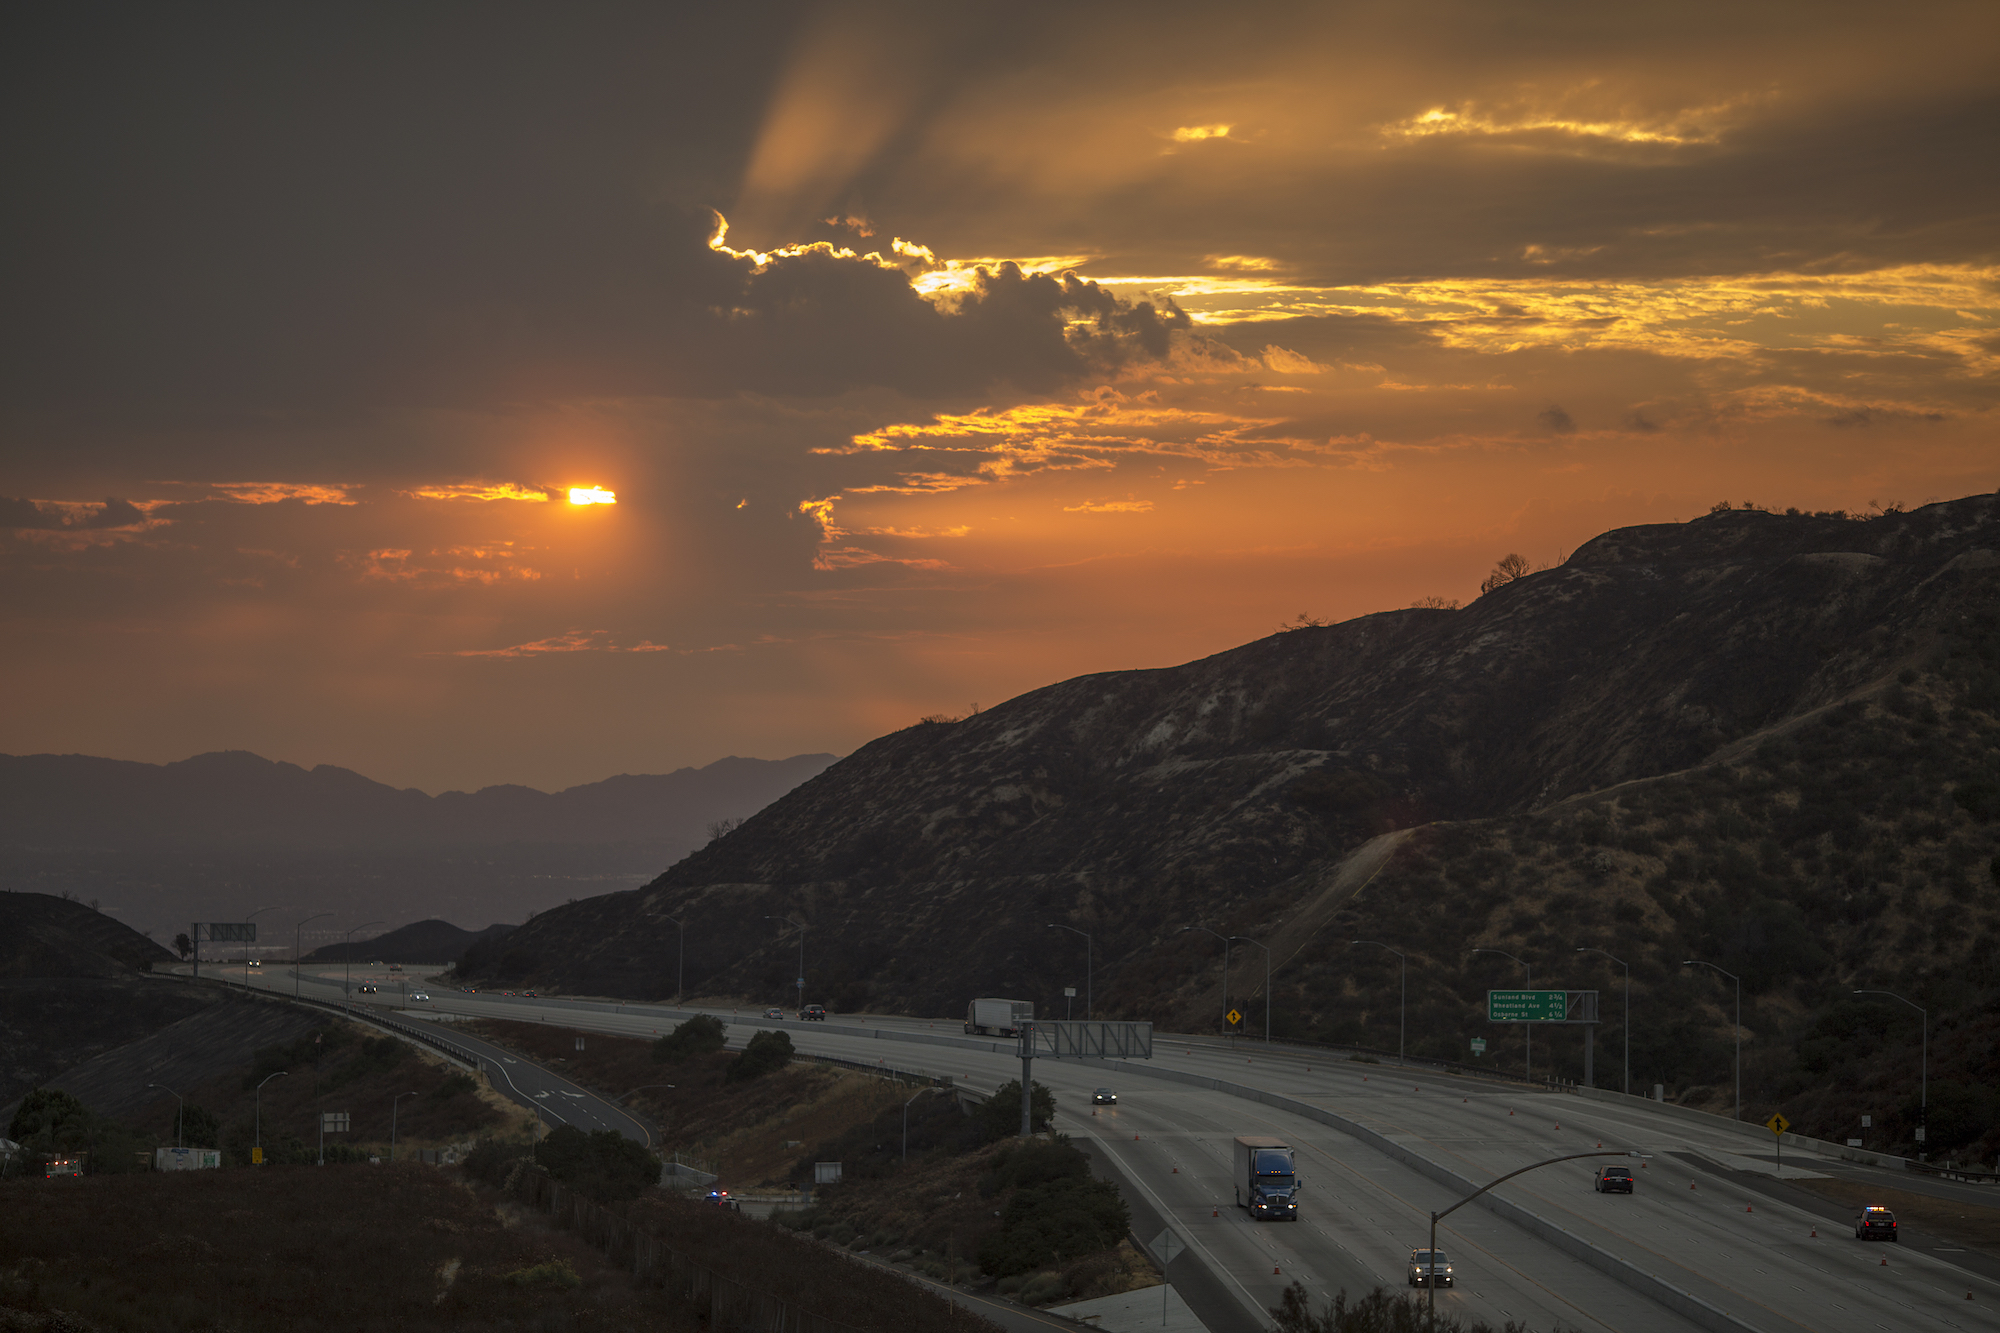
[{"x": 1628, "y": 1012}]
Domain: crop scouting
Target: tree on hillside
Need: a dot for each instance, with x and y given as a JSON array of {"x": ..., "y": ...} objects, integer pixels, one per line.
[
  {"x": 767, "y": 1051},
  {"x": 1511, "y": 566},
  {"x": 183, "y": 945},
  {"x": 1000, "y": 1116},
  {"x": 604, "y": 1165},
  {"x": 700, "y": 1035}
]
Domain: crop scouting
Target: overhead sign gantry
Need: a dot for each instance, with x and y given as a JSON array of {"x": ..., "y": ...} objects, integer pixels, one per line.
[{"x": 1060, "y": 1039}]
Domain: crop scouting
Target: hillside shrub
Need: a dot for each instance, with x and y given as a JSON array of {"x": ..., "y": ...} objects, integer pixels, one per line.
[
  {"x": 700, "y": 1035},
  {"x": 1058, "y": 1211},
  {"x": 1000, "y": 1116},
  {"x": 1380, "y": 1311},
  {"x": 604, "y": 1165},
  {"x": 767, "y": 1051}
]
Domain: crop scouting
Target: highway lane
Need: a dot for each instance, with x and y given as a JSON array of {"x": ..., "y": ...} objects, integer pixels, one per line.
[
  {"x": 1761, "y": 1265},
  {"x": 552, "y": 1097},
  {"x": 1357, "y": 1234}
]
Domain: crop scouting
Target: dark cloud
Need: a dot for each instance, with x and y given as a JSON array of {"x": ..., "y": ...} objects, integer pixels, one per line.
[
  {"x": 22, "y": 515},
  {"x": 1553, "y": 418}
]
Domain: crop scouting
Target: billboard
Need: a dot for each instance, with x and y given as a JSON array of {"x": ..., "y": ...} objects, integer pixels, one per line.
[
  {"x": 232, "y": 932},
  {"x": 187, "y": 1159}
]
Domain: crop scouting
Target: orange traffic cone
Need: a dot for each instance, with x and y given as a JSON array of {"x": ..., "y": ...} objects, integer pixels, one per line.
[
  {"x": 1815, "y": 1234},
  {"x": 1135, "y": 1138},
  {"x": 1885, "y": 1263},
  {"x": 1690, "y": 1184},
  {"x": 1177, "y": 1170},
  {"x": 1510, "y": 1113},
  {"x": 1274, "y": 1269},
  {"x": 1600, "y": 1143},
  {"x": 1215, "y": 1212},
  {"x": 1748, "y": 1209}
]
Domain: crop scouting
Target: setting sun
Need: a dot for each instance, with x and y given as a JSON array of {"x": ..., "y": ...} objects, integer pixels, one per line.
[{"x": 590, "y": 495}]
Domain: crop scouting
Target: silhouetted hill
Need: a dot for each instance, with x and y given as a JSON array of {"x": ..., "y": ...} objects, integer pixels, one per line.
[
  {"x": 421, "y": 942},
  {"x": 1767, "y": 741},
  {"x": 46, "y": 936},
  {"x": 234, "y": 799},
  {"x": 221, "y": 836}
]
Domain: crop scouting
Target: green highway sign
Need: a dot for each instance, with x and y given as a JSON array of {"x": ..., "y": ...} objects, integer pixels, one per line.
[{"x": 1527, "y": 1006}]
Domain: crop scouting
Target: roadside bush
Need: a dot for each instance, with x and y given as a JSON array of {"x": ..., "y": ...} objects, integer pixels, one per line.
[
  {"x": 700, "y": 1035},
  {"x": 491, "y": 1159},
  {"x": 1380, "y": 1311},
  {"x": 767, "y": 1051},
  {"x": 1058, "y": 1212},
  {"x": 549, "y": 1273},
  {"x": 605, "y": 1165},
  {"x": 1000, "y": 1116}
]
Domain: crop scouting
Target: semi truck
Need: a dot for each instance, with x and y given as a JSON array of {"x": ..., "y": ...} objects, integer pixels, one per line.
[
  {"x": 1267, "y": 1182},
  {"x": 998, "y": 1018}
]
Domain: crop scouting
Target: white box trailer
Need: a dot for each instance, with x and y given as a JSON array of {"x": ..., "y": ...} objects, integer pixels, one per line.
[
  {"x": 187, "y": 1159},
  {"x": 998, "y": 1018}
]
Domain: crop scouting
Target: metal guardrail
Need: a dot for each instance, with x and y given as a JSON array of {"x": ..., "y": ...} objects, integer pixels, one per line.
[{"x": 431, "y": 1039}]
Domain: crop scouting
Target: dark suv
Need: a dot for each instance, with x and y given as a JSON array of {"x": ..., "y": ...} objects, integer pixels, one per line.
[
  {"x": 1614, "y": 1180},
  {"x": 1876, "y": 1224},
  {"x": 813, "y": 1013}
]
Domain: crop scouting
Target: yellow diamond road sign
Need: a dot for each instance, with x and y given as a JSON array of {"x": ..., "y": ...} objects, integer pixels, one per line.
[
  {"x": 1234, "y": 1018},
  {"x": 1777, "y": 1124}
]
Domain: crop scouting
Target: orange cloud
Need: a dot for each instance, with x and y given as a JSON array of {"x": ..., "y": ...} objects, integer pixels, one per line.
[
  {"x": 1110, "y": 507},
  {"x": 570, "y": 641},
  {"x": 271, "y": 492},
  {"x": 481, "y": 490}
]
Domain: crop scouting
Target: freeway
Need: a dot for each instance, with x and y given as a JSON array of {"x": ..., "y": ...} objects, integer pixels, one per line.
[{"x": 1749, "y": 1261}]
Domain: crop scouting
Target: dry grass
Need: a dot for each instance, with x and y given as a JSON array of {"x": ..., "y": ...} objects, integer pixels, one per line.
[
  {"x": 450, "y": 1106},
  {"x": 1969, "y": 1224},
  {"x": 744, "y": 1127},
  {"x": 352, "y": 1248}
]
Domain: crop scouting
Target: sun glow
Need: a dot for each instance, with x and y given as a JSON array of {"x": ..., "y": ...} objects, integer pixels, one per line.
[{"x": 591, "y": 495}]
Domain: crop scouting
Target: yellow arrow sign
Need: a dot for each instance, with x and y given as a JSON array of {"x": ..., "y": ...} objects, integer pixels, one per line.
[
  {"x": 1777, "y": 1124},
  {"x": 1234, "y": 1018}
]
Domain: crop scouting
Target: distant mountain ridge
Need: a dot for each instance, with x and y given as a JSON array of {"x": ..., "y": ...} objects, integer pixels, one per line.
[
  {"x": 235, "y": 799},
  {"x": 432, "y": 941}
]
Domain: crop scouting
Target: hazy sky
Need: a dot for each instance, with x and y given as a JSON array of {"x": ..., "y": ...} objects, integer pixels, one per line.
[{"x": 1038, "y": 340}]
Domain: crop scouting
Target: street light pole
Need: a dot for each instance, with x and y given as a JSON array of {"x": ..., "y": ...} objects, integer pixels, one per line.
[
  {"x": 180, "y": 1116},
  {"x": 1267, "y": 983},
  {"x": 1628, "y": 1012},
  {"x": 906, "y": 1121},
  {"x": 1403, "y": 1013},
  {"x": 1088, "y": 948},
  {"x": 1430, "y": 1284},
  {"x": 347, "y": 983},
  {"x": 1696, "y": 962},
  {"x": 246, "y": 948},
  {"x": 681, "y": 957},
  {"x": 1527, "y": 1028},
  {"x": 802, "y": 955},
  {"x": 394, "y": 1105},
  {"x": 298, "y": 936},
  {"x": 260, "y": 1112},
  {"x": 1924, "y": 1087},
  {"x": 1225, "y": 959}
]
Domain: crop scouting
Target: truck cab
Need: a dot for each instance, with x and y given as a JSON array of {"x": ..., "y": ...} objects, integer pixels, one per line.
[
  {"x": 1267, "y": 1181},
  {"x": 992, "y": 1017}
]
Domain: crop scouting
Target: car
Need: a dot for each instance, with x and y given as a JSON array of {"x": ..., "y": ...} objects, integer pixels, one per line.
[
  {"x": 527, "y": 995},
  {"x": 420, "y": 996},
  {"x": 814, "y": 1013},
  {"x": 774, "y": 1012},
  {"x": 368, "y": 990},
  {"x": 1613, "y": 1180},
  {"x": 1873, "y": 1223},
  {"x": 1102, "y": 1097},
  {"x": 1430, "y": 1268},
  {"x": 721, "y": 1199},
  {"x": 509, "y": 994}
]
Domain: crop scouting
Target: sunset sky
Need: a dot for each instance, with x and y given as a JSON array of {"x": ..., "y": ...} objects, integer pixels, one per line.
[{"x": 931, "y": 353}]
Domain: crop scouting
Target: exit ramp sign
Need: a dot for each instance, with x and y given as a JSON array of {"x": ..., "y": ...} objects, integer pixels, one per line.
[{"x": 1527, "y": 1006}]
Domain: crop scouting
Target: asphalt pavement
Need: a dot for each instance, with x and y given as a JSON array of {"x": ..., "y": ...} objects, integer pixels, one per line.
[{"x": 1732, "y": 1255}]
